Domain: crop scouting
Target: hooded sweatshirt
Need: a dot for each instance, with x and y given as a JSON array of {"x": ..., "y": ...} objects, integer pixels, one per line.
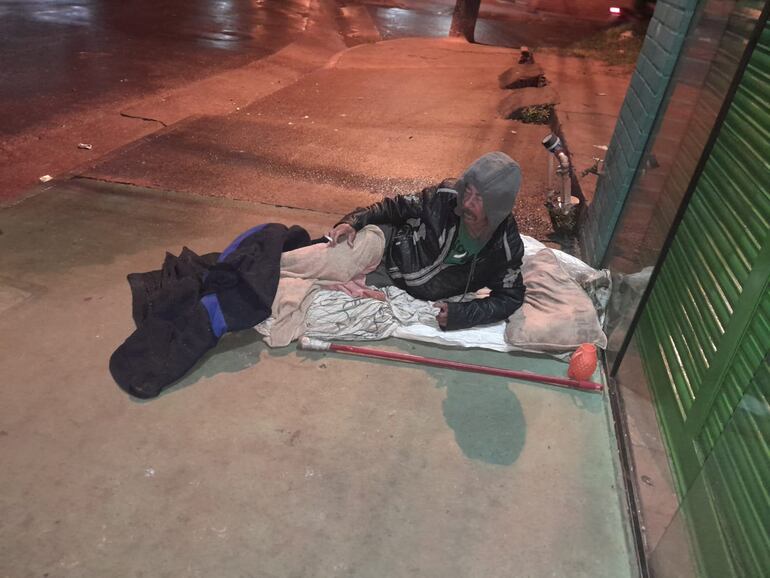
[{"x": 497, "y": 179}]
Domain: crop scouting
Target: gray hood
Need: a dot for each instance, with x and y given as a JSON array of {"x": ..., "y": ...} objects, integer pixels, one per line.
[{"x": 497, "y": 178}]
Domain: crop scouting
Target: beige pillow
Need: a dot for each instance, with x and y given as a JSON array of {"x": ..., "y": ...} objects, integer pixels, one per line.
[{"x": 557, "y": 315}]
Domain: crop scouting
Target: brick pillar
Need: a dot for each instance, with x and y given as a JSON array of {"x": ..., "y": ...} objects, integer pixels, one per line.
[{"x": 659, "y": 55}]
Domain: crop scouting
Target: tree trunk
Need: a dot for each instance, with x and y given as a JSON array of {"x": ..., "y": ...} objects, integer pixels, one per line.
[{"x": 464, "y": 18}]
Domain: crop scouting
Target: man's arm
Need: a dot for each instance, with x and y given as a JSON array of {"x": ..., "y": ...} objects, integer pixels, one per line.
[
  {"x": 390, "y": 211},
  {"x": 506, "y": 296}
]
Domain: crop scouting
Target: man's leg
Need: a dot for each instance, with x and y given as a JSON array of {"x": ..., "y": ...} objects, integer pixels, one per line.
[
  {"x": 379, "y": 277},
  {"x": 340, "y": 263}
]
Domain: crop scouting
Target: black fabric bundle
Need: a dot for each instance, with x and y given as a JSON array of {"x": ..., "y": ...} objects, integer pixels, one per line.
[{"x": 182, "y": 310}]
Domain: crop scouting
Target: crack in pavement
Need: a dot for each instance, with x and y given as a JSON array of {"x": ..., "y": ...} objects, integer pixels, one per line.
[{"x": 125, "y": 114}]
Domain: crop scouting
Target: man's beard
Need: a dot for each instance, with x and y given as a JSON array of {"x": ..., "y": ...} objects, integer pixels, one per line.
[{"x": 477, "y": 227}]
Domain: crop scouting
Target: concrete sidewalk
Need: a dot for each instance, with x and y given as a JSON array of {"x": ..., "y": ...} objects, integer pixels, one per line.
[
  {"x": 378, "y": 119},
  {"x": 269, "y": 462}
]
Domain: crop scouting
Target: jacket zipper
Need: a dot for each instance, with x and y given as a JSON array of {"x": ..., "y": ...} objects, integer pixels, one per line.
[{"x": 470, "y": 275}]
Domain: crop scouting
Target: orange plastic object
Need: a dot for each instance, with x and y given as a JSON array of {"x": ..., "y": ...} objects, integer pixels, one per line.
[{"x": 582, "y": 364}]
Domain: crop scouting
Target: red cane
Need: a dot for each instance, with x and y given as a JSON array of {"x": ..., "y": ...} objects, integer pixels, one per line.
[{"x": 309, "y": 344}]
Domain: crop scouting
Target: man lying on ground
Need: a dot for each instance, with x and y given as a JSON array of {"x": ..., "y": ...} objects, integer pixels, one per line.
[
  {"x": 452, "y": 238},
  {"x": 456, "y": 237}
]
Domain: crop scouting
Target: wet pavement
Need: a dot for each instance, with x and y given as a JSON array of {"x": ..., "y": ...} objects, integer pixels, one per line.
[
  {"x": 58, "y": 56},
  {"x": 63, "y": 55},
  {"x": 512, "y": 29}
]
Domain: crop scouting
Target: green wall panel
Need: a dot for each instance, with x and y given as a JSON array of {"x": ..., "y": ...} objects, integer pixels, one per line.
[
  {"x": 721, "y": 241},
  {"x": 705, "y": 333}
]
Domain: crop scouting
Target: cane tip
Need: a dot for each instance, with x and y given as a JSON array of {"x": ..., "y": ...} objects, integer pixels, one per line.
[{"x": 310, "y": 344}]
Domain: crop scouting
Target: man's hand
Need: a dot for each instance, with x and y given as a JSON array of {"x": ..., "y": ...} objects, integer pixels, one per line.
[
  {"x": 443, "y": 314},
  {"x": 342, "y": 230}
]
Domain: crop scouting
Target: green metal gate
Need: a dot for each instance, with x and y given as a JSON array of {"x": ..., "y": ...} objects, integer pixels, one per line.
[{"x": 705, "y": 332}]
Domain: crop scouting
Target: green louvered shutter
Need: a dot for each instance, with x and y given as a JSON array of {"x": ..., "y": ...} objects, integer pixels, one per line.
[
  {"x": 737, "y": 475},
  {"x": 705, "y": 332}
]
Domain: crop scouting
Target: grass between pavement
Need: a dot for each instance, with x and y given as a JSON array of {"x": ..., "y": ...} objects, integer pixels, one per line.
[{"x": 617, "y": 46}]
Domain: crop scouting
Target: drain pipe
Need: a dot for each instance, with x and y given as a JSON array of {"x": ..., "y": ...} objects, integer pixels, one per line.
[
  {"x": 552, "y": 144},
  {"x": 559, "y": 198}
]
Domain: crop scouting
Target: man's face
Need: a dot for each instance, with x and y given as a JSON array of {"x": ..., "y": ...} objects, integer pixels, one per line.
[{"x": 474, "y": 216}]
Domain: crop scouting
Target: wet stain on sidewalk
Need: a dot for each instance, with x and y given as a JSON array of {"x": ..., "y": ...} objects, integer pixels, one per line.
[{"x": 487, "y": 420}]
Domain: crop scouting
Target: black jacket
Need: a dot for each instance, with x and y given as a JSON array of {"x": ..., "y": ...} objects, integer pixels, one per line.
[
  {"x": 183, "y": 309},
  {"x": 425, "y": 227}
]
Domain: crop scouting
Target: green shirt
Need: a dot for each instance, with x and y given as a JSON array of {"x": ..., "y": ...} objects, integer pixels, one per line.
[{"x": 464, "y": 248}]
